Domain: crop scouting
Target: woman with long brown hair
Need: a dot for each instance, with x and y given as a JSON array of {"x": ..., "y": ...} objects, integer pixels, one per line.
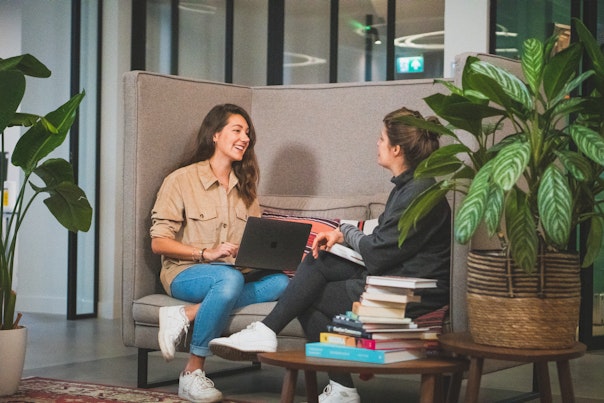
[{"x": 197, "y": 223}]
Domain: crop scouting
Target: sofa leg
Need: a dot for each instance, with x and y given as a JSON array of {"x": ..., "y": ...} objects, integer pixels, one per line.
[
  {"x": 142, "y": 371},
  {"x": 143, "y": 368}
]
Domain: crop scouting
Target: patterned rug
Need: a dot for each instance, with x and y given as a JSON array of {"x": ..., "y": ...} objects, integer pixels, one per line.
[{"x": 44, "y": 390}]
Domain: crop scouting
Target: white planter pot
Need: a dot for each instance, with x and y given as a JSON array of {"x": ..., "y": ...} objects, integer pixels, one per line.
[{"x": 12, "y": 358}]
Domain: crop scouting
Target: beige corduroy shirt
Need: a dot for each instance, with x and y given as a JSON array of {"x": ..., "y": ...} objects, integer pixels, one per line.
[{"x": 192, "y": 208}]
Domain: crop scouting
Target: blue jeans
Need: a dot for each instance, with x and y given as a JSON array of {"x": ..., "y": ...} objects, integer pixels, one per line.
[{"x": 220, "y": 289}]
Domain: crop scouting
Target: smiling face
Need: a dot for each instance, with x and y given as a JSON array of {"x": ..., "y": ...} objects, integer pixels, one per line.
[{"x": 233, "y": 140}]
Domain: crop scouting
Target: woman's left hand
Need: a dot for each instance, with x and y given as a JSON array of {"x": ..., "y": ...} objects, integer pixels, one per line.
[{"x": 325, "y": 240}]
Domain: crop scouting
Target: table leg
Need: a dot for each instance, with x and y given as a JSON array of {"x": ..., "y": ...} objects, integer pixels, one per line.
[
  {"x": 312, "y": 392},
  {"x": 545, "y": 389},
  {"x": 288, "y": 389},
  {"x": 428, "y": 389},
  {"x": 454, "y": 387},
  {"x": 565, "y": 380},
  {"x": 474, "y": 375}
]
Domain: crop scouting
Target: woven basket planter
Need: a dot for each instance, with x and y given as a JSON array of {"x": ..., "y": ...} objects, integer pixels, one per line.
[{"x": 509, "y": 308}]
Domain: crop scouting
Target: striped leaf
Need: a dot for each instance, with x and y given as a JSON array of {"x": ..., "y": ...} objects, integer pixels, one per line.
[
  {"x": 576, "y": 164},
  {"x": 420, "y": 206},
  {"x": 511, "y": 84},
  {"x": 473, "y": 207},
  {"x": 589, "y": 142},
  {"x": 521, "y": 231},
  {"x": 554, "y": 202},
  {"x": 509, "y": 164},
  {"x": 492, "y": 215},
  {"x": 441, "y": 162},
  {"x": 560, "y": 69},
  {"x": 532, "y": 63}
]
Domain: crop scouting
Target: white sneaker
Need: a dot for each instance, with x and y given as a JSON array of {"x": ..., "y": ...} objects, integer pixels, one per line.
[
  {"x": 172, "y": 324},
  {"x": 196, "y": 387},
  {"x": 336, "y": 393},
  {"x": 244, "y": 345}
]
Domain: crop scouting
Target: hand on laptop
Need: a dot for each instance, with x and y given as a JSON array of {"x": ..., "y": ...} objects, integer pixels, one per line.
[
  {"x": 223, "y": 250},
  {"x": 325, "y": 240}
]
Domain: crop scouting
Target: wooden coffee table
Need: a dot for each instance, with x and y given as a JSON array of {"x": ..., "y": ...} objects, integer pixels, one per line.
[
  {"x": 463, "y": 344},
  {"x": 430, "y": 369}
]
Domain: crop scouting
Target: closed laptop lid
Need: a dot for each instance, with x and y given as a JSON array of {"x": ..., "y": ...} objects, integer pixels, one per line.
[{"x": 272, "y": 244}]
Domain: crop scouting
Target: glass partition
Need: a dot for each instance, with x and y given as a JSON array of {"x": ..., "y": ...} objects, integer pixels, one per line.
[{"x": 306, "y": 56}]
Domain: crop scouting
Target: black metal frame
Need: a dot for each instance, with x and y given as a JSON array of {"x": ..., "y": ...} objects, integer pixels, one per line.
[
  {"x": 142, "y": 380},
  {"x": 74, "y": 154}
]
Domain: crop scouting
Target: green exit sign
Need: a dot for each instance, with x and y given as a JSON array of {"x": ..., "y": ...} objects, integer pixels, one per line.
[{"x": 411, "y": 64}]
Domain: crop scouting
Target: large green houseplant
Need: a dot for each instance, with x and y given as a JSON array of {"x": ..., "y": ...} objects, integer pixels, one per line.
[
  {"x": 66, "y": 201},
  {"x": 530, "y": 160}
]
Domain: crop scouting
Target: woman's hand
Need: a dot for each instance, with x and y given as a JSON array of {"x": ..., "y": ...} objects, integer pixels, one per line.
[
  {"x": 223, "y": 250},
  {"x": 174, "y": 249},
  {"x": 325, "y": 240}
]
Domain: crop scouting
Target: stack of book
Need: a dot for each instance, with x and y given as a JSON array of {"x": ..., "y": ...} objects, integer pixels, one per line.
[{"x": 376, "y": 329}]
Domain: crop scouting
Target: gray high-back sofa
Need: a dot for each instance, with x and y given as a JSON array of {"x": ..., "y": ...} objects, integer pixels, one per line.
[{"x": 317, "y": 152}]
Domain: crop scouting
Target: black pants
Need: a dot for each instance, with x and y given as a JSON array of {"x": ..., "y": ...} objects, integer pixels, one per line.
[{"x": 315, "y": 294}]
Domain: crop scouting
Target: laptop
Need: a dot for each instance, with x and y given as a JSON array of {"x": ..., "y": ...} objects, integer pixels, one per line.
[{"x": 272, "y": 244}]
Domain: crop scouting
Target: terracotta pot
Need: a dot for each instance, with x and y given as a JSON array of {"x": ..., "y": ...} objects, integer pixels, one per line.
[
  {"x": 12, "y": 358},
  {"x": 510, "y": 308}
]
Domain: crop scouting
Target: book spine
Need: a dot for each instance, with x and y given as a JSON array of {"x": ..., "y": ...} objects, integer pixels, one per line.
[
  {"x": 347, "y": 321},
  {"x": 339, "y": 339},
  {"x": 347, "y": 331},
  {"x": 324, "y": 350}
]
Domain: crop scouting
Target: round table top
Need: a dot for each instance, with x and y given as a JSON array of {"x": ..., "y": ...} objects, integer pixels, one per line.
[
  {"x": 298, "y": 360},
  {"x": 462, "y": 343}
]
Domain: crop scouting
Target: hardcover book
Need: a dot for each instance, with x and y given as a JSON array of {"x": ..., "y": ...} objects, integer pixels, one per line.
[
  {"x": 339, "y": 352},
  {"x": 399, "y": 281},
  {"x": 362, "y": 310},
  {"x": 389, "y": 298},
  {"x": 389, "y": 344},
  {"x": 384, "y": 289}
]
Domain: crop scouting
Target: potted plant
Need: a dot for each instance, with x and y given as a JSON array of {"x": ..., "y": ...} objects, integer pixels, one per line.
[
  {"x": 529, "y": 167},
  {"x": 66, "y": 201}
]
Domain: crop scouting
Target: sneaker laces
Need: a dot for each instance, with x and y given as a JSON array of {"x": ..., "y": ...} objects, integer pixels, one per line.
[
  {"x": 201, "y": 381},
  {"x": 327, "y": 390},
  {"x": 185, "y": 327}
]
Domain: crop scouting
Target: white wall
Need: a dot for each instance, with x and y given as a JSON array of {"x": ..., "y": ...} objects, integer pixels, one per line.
[
  {"x": 466, "y": 30},
  {"x": 116, "y": 61},
  {"x": 41, "y": 269}
]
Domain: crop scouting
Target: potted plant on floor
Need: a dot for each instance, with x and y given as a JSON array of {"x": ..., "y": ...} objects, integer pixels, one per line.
[
  {"x": 66, "y": 201},
  {"x": 530, "y": 188}
]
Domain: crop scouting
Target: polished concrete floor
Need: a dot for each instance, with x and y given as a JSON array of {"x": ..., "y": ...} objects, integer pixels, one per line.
[{"x": 91, "y": 350}]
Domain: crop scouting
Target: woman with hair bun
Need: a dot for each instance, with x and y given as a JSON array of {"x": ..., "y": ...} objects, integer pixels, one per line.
[{"x": 326, "y": 285}]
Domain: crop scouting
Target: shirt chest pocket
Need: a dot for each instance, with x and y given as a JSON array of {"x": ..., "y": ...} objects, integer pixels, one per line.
[{"x": 203, "y": 224}]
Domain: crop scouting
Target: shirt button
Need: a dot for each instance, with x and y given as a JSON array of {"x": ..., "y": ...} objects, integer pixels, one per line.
[{"x": 224, "y": 225}]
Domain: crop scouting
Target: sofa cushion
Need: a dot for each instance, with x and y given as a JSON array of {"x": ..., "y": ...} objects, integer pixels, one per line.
[
  {"x": 367, "y": 226},
  {"x": 354, "y": 208}
]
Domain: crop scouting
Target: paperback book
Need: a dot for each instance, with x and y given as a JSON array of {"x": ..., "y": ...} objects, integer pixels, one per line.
[
  {"x": 341, "y": 352},
  {"x": 347, "y": 253}
]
